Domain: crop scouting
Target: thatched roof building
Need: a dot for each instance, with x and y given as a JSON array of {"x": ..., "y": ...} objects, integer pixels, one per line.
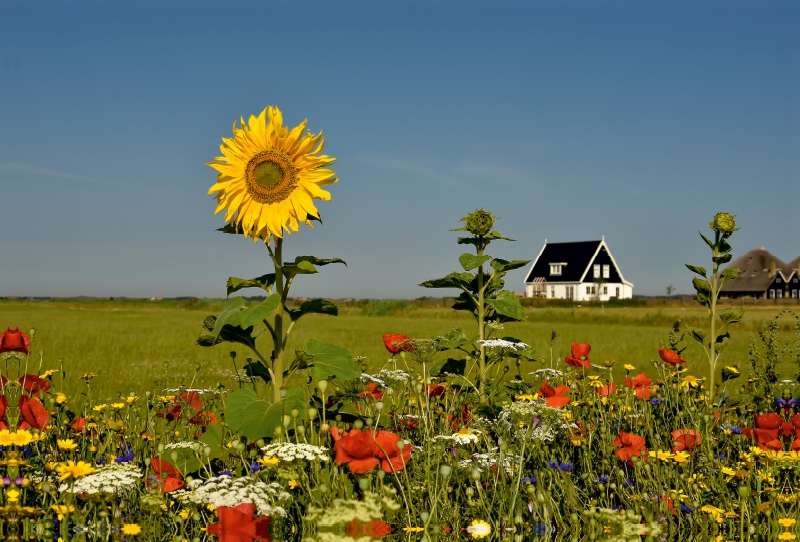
[{"x": 763, "y": 276}]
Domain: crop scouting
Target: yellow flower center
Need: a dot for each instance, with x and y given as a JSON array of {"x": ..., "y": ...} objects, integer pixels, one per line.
[{"x": 271, "y": 176}]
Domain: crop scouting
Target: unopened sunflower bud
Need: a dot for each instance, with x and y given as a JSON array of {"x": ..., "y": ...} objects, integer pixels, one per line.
[
  {"x": 479, "y": 222},
  {"x": 723, "y": 223}
]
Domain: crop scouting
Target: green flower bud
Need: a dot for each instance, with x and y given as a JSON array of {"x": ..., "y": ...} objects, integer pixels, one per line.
[
  {"x": 724, "y": 223},
  {"x": 479, "y": 222}
]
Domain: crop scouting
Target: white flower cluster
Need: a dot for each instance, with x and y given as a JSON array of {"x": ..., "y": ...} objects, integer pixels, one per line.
[
  {"x": 546, "y": 374},
  {"x": 501, "y": 343},
  {"x": 178, "y": 445},
  {"x": 109, "y": 479},
  {"x": 487, "y": 460},
  {"x": 200, "y": 391},
  {"x": 241, "y": 376},
  {"x": 465, "y": 436},
  {"x": 289, "y": 451},
  {"x": 550, "y": 420},
  {"x": 389, "y": 378},
  {"x": 227, "y": 491}
]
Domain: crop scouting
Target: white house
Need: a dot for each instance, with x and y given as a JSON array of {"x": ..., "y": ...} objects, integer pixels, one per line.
[{"x": 581, "y": 271}]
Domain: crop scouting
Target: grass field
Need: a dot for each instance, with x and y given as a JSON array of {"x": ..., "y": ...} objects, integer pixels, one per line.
[{"x": 132, "y": 344}]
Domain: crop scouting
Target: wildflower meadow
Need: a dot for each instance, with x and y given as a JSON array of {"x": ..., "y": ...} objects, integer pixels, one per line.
[{"x": 471, "y": 434}]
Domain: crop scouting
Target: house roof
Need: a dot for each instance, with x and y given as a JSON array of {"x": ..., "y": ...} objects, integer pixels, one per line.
[
  {"x": 791, "y": 266},
  {"x": 755, "y": 276},
  {"x": 577, "y": 256}
]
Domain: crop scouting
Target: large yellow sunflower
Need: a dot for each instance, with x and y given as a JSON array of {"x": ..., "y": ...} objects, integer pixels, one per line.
[{"x": 269, "y": 176}]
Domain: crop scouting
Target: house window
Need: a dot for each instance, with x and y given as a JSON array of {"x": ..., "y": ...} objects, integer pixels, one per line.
[
  {"x": 555, "y": 268},
  {"x": 794, "y": 279},
  {"x": 606, "y": 271},
  {"x": 617, "y": 291},
  {"x": 794, "y": 293},
  {"x": 605, "y": 290},
  {"x": 779, "y": 293},
  {"x": 778, "y": 280},
  {"x": 597, "y": 271},
  {"x": 570, "y": 292},
  {"x": 552, "y": 291},
  {"x": 772, "y": 294}
]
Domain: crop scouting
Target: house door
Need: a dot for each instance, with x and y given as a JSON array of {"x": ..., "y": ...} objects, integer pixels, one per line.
[{"x": 570, "y": 292}]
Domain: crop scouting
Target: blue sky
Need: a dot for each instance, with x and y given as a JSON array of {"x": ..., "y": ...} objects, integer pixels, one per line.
[{"x": 568, "y": 119}]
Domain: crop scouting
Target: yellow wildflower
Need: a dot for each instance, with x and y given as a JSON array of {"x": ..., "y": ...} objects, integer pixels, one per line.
[
  {"x": 117, "y": 406},
  {"x": 184, "y": 513},
  {"x": 70, "y": 469},
  {"x": 479, "y": 529},
  {"x": 681, "y": 457},
  {"x": 131, "y": 529},
  {"x": 413, "y": 529},
  {"x": 19, "y": 438},
  {"x": 658, "y": 454},
  {"x": 786, "y": 535},
  {"x": 166, "y": 398},
  {"x": 100, "y": 408},
  {"x": 269, "y": 461},
  {"x": 525, "y": 397},
  {"x": 690, "y": 381},
  {"x": 62, "y": 510},
  {"x": 48, "y": 373},
  {"x": 786, "y": 522},
  {"x": 88, "y": 376},
  {"x": 131, "y": 399},
  {"x": 294, "y": 484},
  {"x": 66, "y": 444},
  {"x": 12, "y": 495},
  {"x": 567, "y": 416},
  {"x": 61, "y": 398},
  {"x": 628, "y": 367}
]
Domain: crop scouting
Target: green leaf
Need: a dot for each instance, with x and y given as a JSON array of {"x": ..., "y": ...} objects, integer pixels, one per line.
[
  {"x": 697, "y": 269},
  {"x": 258, "y": 370},
  {"x": 493, "y": 235},
  {"x": 704, "y": 300},
  {"x": 507, "y": 304},
  {"x": 471, "y": 261},
  {"x": 701, "y": 285},
  {"x": 213, "y": 439},
  {"x": 731, "y": 315},
  {"x": 453, "y": 280},
  {"x": 330, "y": 360},
  {"x": 228, "y": 315},
  {"x": 265, "y": 282},
  {"x": 316, "y": 306},
  {"x": 722, "y": 342},
  {"x": 708, "y": 241},
  {"x": 253, "y": 315},
  {"x": 502, "y": 266},
  {"x": 698, "y": 334},
  {"x": 724, "y": 246},
  {"x": 299, "y": 268},
  {"x": 453, "y": 339},
  {"x": 469, "y": 240},
  {"x": 313, "y": 260},
  {"x": 229, "y": 228},
  {"x": 449, "y": 365},
  {"x": 738, "y": 401},
  {"x": 254, "y": 418},
  {"x": 464, "y": 303},
  {"x": 729, "y": 274},
  {"x": 725, "y": 258},
  {"x": 185, "y": 462}
]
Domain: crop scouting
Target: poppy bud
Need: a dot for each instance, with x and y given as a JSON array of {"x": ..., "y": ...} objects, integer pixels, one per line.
[
  {"x": 322, "y": 385},
  {"x": 312, "y": 413},
  {"x": 295, "y": 412}
]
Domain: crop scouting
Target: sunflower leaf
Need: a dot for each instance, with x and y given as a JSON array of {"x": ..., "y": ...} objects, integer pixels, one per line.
[
  {"x": 696, "y": 269},
  {"x": 501, "y": 266},
  {"x": 318, "y": 261},
  {"x": 265, "y": 282},
  {"x": 316, "y": 306},
  {"x": 507, "y": 304},
  {"x": 230, "y": 228},
  {"x": 254, "y": 418},
  {"x": 330, "y": 360},
  {"x": 257, "y": 369},
  {"x": 453, "y": 280},
  {"x": 471, "y": 261},
  {"x": 449, "y": 365},
  {"x": 729, "y": 274}
]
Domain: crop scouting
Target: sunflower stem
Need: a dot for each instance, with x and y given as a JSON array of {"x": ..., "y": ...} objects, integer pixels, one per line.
[{"x": 277, "y": 364}]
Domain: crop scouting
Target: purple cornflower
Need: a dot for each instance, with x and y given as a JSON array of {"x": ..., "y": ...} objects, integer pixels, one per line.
[
  {"x": 127, "y": 455},
  {"x": 540, "y": 529},
  {"x": 720, "y": 457},
  {"x": 529, "y": 480},
  {"x": 686, "y": 509},
  {"x": 602, "y": 479},
  {"x": 566, "y": 466},
  {"x": 655, "y": 401},
  {"x": 627, "y": 484},
  {"x": 255, "y": 466},
  {"x": 553, "y": 465}
]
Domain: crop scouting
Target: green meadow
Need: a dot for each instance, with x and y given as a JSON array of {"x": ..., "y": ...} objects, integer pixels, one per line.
[{"x": 135, "y": 345}]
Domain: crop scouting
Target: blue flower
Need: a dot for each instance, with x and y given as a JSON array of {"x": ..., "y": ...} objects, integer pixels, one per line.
[
  {"x": 720, "y": 457},
  {"x": 603, "y": 479},
  {"x": 529, "y": 480},
  {"x": 565, "y": 466},
  {"x": 655, "y": 401},
  {"x": 686, "y": 509},
  {"x": 255, "y": 466},
  {"x": 540, "y": 529},
  {"x": 627, "y": 484},
  {"x": 127, "y": 455},
  {"x": 553, "y": 465}
]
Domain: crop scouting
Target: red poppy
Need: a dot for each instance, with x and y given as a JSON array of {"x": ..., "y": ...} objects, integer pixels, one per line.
[
  {"x": 237, "y": 524},
  {"x": 204, "y": 418},
  {"x": 686, "y": 439},
  {"x": 372, "y": 391},
  {"x": 3, "y": 407},
  {"x": 670, "y": 356},
  {"x": 14, "y": 340},
  {"x": 608, "y": 389},
  {"x": 642, "y": 384},
  {"x": 34, "y": 414},
  {"x": 463, "y": 418},
  {"x": 631, "y": 445},
  {"x": 78, "y": 424},
  {"x": 33, "y": 384},
  {"x": 172, "y": 481},
  {"x": 364, "y": 450},
  {"x": 191, "y": 399},
  {"x": 765, "y": 432},
  {"x": 397, "y": 342},
  {"x": 555, "y": 397},
  {"x": 580, "y": 355},
  {"x": 436, "y": 391},
  {"x": 375, "y": 529}
]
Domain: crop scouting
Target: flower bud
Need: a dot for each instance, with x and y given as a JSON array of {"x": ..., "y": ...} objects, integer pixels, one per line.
[
  {"x": 287, "y": 420},
  {"x": 322, "y": 385},
  {"x": 479, "y": 222},
  {"x": 724, "y": 223},
  {"x": 379, "y": 406},
  {"x": 401, "y": 444},
  {"x": 445, "y": 470},
  {"x": 312, "y": 413}
]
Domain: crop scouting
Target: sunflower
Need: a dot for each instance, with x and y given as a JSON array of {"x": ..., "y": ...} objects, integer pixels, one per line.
[{"x": 269, "y": 176}]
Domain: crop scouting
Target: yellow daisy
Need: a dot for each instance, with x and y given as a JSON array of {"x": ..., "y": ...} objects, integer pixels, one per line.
[
  {"x": 479, "y": 529},
  {"x": 269, "y": 176},
  {"x": 70, "y": 469},
  {"x": 131, "y": 529},
  {"x": 66, "y": 444}
]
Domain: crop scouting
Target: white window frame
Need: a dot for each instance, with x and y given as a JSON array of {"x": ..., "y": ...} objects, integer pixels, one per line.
[
  {"x": 772, "y": 294},
  {"x": 596, "y": 271},
  {"x": 617, "y": 291},
  {"x": 779, "y": 294},
  {"x": 555, "y": 269},
  {"x": 606, "y": 271},
  {"x": 605, "y": 290},
  {"x": 552, "y": 292}
]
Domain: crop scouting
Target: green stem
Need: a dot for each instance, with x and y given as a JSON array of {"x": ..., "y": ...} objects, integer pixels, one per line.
[
  {"x": 277, "y": 363},
  {"x": 712, "y": 361},
  {"x": 481, "y": 323}
]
